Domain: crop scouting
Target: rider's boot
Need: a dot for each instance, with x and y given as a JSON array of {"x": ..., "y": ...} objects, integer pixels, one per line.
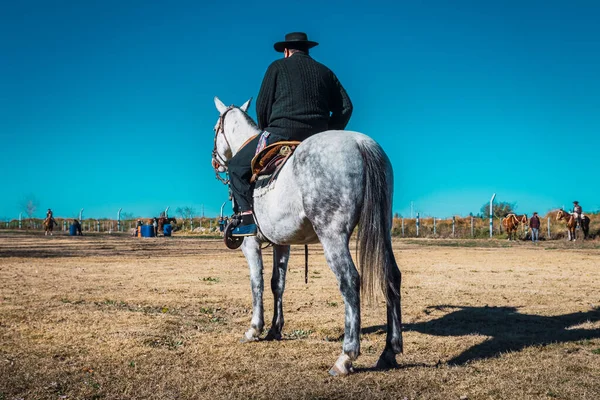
[{"x": 247, "y": 226}]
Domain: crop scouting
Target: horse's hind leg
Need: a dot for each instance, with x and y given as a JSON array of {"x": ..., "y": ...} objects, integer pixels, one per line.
[
  {"x": 281, "y": 255},
  {"x": 251, "y": 249},
  {"x": 340, "y": 261},
  {"x": 393, "y": 342}
]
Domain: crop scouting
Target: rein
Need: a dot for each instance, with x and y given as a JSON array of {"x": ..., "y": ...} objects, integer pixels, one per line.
[{"x": 218, "y": 161}]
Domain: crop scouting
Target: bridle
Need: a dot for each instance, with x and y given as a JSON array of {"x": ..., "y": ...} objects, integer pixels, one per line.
[{"x": 217, "y": 160}]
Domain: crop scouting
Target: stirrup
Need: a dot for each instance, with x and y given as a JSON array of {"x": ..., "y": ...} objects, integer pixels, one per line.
[{"x": 232, "y": 242}]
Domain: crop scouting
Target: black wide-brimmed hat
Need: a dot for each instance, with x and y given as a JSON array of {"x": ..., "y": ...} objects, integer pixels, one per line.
[
  {"x": 575, "y": 202},
  {"x": 294, "y": 40}
]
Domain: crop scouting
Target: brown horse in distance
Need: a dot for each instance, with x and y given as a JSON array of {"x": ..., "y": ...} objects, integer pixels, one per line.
[
  {"x": 511, "y": 223},
  {"x": 571, "y": 222},
  {"x": 162, "y": 221},
  {"x": 49, "y": 223}
]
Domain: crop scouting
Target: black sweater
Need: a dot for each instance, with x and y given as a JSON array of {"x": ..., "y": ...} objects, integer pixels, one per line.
[{"x": 300, "y": 97}]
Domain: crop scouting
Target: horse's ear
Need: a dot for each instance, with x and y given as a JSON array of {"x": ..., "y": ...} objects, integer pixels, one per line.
[
  {"x": 245, "y": 106},
  {"x": 220, "y": 106}
]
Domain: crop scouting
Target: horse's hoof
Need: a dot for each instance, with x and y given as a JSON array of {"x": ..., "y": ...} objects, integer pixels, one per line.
[
  {"x": 245, "y": 339},
  {"x": 387, "y": 360},
  {"x": 250, "y": 336},
  {"x": 342, "y": 367},
  {"x": 273, "y": 335}
]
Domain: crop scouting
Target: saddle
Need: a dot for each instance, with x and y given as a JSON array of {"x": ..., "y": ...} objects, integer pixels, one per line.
[{"x": 270, "y": 159}]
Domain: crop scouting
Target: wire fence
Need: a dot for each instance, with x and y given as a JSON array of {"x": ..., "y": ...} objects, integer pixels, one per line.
[
  {"x": 479, "y": 227},
  {"x": 420, "y": 227},
  {"x": 198, "y": 225}
]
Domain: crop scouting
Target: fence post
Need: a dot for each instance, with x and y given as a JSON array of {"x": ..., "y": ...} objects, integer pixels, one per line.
[
  {"x": 453, "y": 224},
  {"x": 434, "y": 230},
  {"x": 549, "y": 228},
  {"x": 402, "y": 226},
  {"x": 97, "y": 225},
  {"x": 472, "y": 230},
  {"x": 417, "y": 224},
  {"x": 20, "y": 223},
  {"x": 492, "y": 216}
]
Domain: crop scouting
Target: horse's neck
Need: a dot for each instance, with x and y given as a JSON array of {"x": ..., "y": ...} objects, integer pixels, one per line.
[
  {"x": 241, "y": 131},
  {"x": 567, "y": 216}
]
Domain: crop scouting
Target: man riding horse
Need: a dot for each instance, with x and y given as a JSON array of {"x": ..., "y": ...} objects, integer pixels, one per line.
[
  {"x": 577, "y": 212},
  {"x": 299, "y": 97},
  {"x": 49, "y": 222}
]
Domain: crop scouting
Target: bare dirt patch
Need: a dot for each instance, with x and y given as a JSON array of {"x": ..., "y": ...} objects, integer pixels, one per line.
[{"x": 103, "y": 317}]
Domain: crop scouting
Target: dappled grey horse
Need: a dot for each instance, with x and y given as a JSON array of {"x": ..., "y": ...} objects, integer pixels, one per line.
[{"x": 334, "y": 181}]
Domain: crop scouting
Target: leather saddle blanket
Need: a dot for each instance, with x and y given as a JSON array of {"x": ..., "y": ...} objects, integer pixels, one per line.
[{"x": 270, "y": 160}]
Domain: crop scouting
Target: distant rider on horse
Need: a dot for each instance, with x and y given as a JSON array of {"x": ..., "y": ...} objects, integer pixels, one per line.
[
  {"x": 50, "y": 217},
  {"x": 577, "y": 212},
  {"x": 298, "y": 98}
]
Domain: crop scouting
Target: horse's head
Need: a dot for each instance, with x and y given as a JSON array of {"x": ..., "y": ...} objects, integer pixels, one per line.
[
  {"x": 560, "y": 215},
  {"x": 226, "y": 143},
  {"x": 523, "y": 219},
  {"x": 510, "y": 217}
]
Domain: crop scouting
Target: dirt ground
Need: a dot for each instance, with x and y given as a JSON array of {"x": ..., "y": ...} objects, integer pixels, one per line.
[{"x": 114, "y": 317}]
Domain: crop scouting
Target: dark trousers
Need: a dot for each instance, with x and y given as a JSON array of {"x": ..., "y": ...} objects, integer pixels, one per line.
[
  {"x": 240, "y": 170},
  {"x": 239, "y": 176}
]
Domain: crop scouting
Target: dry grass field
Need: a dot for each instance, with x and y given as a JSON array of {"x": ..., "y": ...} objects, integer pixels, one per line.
[{"x": 114, "y": 317}]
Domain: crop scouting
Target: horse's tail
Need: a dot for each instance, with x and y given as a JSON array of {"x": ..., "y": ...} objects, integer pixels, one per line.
[{"x": 376, "y": 260}]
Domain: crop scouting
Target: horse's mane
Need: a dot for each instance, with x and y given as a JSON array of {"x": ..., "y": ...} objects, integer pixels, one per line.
[{"x": 248, "y": 117}]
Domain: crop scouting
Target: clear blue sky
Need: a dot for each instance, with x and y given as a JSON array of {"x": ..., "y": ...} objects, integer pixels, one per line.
[{"x": 108, "y": 104}]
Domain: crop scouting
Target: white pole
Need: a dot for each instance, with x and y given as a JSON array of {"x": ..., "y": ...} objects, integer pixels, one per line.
[
  {"x": 81, "y": 215},
  {"x": 119, "y": 220},
  {"x": 453, "y": 224},
  {"x": 434, "y": 230},
  {"x": 492, "y": 214},
  {"x": 417, "y": 224},
  {"x": 402, "y": 226},
  {"x": 20, "y": 218},
  {"x": 548, "y": 228}
]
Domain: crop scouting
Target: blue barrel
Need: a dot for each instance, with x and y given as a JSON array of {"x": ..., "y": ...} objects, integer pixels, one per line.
[
  {"x": 72, "y": 230},
  {"x": 167, "y": 229},
  {"x": 147, "y": 231}
]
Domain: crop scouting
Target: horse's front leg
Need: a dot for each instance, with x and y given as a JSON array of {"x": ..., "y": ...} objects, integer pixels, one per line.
[
  {"x": 281, "y": 255},
  {"x": 251, "y": 249}
]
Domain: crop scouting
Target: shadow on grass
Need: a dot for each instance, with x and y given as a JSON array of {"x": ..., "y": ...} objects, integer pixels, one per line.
[{"x": 508, "y": 329}]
